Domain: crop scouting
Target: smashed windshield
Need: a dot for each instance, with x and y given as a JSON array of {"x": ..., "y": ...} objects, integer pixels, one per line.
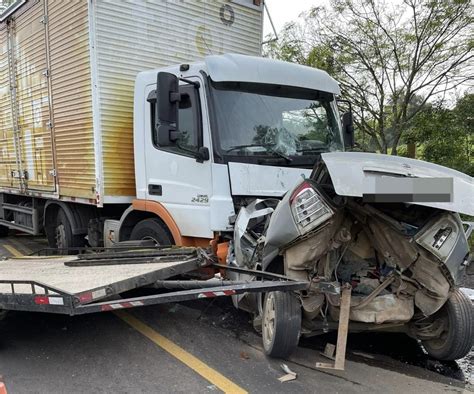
[{"x": 274, "y": 120}]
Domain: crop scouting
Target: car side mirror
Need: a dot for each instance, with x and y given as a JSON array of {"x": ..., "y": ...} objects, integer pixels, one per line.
[
  {"x": 348, "y": 129},
  {"x": 166, "y": 119}
]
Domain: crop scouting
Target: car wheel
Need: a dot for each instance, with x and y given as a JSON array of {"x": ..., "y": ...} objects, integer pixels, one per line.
[
  {"x": 152, "y": 229},
  {"x": 456, "y": 339},
  {"x": 281, "y": 324}
]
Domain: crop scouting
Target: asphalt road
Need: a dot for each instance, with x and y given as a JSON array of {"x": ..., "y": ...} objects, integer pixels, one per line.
[{"x": 196, "y": 347}]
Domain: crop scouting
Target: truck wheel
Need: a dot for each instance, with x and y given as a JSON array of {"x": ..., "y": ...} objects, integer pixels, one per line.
[
  {"x": 152, "y": 229},
  {"x": 3, "y": 231},
  {"x": 457, "y": 337},
  {"x": 281, "y": 324},
  {"x": 63, "y": 236}
]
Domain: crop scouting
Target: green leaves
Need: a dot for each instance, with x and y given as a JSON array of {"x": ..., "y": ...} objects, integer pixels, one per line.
[
  {"x": 391, "y": 58},
  {"x": 446, "y": 136}
]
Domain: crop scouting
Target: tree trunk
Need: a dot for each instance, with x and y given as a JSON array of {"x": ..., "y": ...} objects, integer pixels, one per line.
[{"x": 411, "y": 150}]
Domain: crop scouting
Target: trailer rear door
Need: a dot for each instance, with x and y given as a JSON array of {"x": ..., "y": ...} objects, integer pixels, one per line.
[{"x": 30, "y": 131}]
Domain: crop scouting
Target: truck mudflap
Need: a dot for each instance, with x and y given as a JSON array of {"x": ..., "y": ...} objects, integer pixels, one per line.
[{"x": 75, "y": 285}]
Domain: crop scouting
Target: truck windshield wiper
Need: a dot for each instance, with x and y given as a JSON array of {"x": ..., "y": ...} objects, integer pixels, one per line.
[
  {"x": 237, "y": 147},
  {"x": 281, "y": 154},
  {"x": 313, "y": 150},
  {"x": 267, "y": 148}
]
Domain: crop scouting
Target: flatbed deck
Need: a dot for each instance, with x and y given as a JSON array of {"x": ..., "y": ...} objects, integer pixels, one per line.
[
  {"x": 96, "y": 282},
  {"x": 75, "y": 280}
]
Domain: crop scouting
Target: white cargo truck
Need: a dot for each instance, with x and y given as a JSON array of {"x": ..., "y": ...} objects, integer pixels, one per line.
[{"x": 84, "y": 139}]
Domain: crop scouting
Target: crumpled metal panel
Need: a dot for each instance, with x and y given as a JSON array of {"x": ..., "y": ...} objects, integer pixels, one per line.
[
  {"x": 135, "y": 36},
  {"x": 72, "y": 97},
  {"x": 7, "y": 148},
  {"x": 365, "y": 168},
  {"x": 32, "y": 98}
]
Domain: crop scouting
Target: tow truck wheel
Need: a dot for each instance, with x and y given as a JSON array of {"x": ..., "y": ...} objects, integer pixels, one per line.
[
  {"x": 456, "y": 339},
  {"x": 151, "y": 229},
  {"x": 281, "y": 324}
]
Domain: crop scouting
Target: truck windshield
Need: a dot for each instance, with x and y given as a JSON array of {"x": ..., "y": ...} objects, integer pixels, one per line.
[{"x": 274, "y": 121}]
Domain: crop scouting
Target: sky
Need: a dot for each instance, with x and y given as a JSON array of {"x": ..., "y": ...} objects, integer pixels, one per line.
[{"x": 283, "y": 11}]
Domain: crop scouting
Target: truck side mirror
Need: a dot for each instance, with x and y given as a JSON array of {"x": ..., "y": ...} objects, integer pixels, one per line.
[
  {"x": 348, "y": 129},
  {"x": 166, "y": 119}
]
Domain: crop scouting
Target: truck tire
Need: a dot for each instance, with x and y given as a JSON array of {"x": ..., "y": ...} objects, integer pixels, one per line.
[
  {"x": 63, "y": 236},
  {"x": 152, "y": 229},
  {"x": 281, "y": 324},
  {"x": 457, "y": 337},
  {"x": 3, "y": 231}
]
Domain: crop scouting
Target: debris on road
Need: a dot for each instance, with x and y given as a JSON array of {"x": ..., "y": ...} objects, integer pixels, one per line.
[
  {"x": 244, "y": 355},
  {"x": 290, "y": 375}
]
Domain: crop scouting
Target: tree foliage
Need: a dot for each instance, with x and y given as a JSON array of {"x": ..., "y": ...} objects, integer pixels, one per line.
[
  {"x": 446, "y": 136},
  {"x": 390, "y": 58}
]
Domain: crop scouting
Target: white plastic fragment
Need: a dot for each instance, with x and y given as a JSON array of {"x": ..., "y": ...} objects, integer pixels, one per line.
[{"x": 290, "y": 375}]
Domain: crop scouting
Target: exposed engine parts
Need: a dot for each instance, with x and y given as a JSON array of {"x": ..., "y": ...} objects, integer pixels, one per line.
[{"x": 402, "y": 261}]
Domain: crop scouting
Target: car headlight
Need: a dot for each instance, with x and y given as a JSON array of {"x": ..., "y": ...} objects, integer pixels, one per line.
[
  {"x": 440, "y": 236},
  {"x": 308, "y": 207}
]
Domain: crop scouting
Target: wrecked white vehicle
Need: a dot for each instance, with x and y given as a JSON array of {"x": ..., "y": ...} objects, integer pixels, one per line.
[{"x": 403, "y": 260}]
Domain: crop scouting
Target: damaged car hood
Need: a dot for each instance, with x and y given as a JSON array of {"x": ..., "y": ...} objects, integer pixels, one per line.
[{"x": 353, "y": 174}]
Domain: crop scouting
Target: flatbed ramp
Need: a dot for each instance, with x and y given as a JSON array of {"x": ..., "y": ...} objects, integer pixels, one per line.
[
  {"x": 94, "y": 282},
  {"x": 76, "y": 279}
]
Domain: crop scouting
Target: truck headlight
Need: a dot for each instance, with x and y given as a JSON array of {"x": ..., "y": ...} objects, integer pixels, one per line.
[{"x": 308, "y": 207}]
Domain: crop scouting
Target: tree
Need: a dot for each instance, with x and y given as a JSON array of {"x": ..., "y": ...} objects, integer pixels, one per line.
[
  {"x": 390, "y": 58},
  {"x": 446, "y": 136}
]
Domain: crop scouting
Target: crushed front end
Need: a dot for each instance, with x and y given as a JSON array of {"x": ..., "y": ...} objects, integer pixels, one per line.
[{"x": 402, "y": 260}]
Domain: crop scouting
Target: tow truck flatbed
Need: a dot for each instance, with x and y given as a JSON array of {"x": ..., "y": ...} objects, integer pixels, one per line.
[{"x": 95, "y": 282}]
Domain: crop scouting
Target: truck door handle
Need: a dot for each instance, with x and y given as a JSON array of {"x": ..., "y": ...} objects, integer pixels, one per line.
[{"x": 155, "y": 190}]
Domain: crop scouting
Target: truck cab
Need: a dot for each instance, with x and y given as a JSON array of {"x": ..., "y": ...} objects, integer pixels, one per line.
[{"x": 211, "y": 136}]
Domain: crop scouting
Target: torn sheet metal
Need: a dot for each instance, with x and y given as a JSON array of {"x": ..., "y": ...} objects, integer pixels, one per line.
[{"x": 352, "y": 172}]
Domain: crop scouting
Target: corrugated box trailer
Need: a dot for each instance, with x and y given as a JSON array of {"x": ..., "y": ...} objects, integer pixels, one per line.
[{"x": 67, "y": 71}]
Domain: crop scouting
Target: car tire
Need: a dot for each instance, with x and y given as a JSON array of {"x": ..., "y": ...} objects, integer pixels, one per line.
[
  {"x": 3, "y": 231},
  {"x": 152, "y": 229},
  {"x": 281, "y": 324},
  {"x": 457, "y": 337},
  {"x": 63, "y": 237}
]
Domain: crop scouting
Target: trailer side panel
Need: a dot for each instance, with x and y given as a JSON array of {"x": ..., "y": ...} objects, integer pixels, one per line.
[
  {"x": 72, "y": 98},
  {"x": 134, "y": 36}
]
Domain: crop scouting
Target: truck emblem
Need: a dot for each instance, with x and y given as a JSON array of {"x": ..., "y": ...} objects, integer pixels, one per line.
[{"x": 227, "y": 15}]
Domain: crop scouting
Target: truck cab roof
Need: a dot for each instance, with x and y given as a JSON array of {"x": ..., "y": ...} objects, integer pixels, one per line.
[{"x": 253, "y": 69}]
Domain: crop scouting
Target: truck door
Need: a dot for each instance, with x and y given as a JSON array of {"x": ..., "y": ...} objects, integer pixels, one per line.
[
  {"x": 30, "y": 108},
  {"x": 174, "y": 177}
]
